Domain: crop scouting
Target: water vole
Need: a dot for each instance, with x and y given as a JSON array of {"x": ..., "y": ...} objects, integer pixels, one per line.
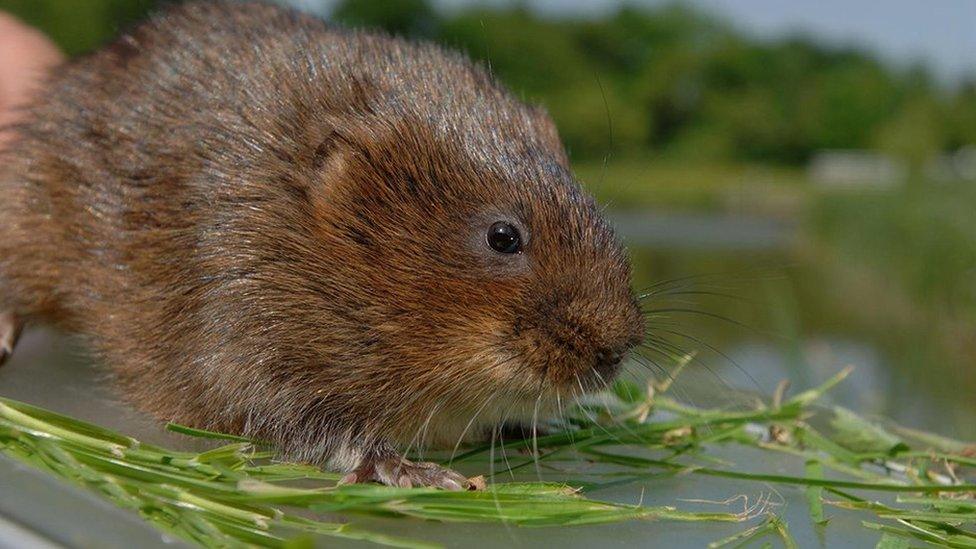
[{"x": 345, "y": 243}]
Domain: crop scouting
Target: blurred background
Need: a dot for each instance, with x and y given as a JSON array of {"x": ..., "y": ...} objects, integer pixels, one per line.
[{"x": 803, "y": 173}]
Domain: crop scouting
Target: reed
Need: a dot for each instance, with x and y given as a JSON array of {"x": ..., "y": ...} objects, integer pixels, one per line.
[{"x": 235, "y": 494}]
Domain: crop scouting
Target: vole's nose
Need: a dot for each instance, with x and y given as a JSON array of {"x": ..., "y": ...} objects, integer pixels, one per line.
[{"x": 608, "y": 361}]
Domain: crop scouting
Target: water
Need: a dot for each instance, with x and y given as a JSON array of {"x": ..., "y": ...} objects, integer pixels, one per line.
[
  {"x": 789, "y": 316},
  {"x": 784, "y": 323}
]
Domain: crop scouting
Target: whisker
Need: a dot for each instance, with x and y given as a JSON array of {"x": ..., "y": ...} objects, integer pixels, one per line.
[
  {"x": 422, "y": 428},
  {"x": 716, "y": 316},
  {"x": 673, "y": 282},
  {"x": 484, "y": 405},
  {"x": 719, "y": 352},
  {"x": 650, "y": 365},
  {"x": 535, "y": 437},
  {"x": 709, "y": 293},
  {"x": 501, "y": 446},
  {"x": 661, "y": 345},
  {"x": 468, "y": 426},
  {"x": 610, "y": 414},
  {"x": 562, "y": 417},
  {"x": 672, "y": 381},
  {"x": 766, "y": 274},
  {"x": 586, "y": 412}
]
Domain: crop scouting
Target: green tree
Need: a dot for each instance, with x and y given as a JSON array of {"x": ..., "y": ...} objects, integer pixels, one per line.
[
  {"x": 672, "y": 78},
  {"x": 414, "y": 18},
  {"x": 79, "y": 26},
  {"x": 915, "y": 133},
  {"x": 961, "y": 117}
]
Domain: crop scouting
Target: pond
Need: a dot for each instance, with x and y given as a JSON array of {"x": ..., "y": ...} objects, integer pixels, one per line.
[
  {"x": 745, "y": 298},
  {"x": 759, "y": 308}
]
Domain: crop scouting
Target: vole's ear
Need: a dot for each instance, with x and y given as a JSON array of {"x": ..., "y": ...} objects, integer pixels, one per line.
[
  {"x": 324, "y": 148},
  {"x": 307, "y": 161}
]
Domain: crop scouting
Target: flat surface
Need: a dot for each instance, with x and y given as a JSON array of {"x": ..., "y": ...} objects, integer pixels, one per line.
[
  {"x": 37, "y": 510},
  {"x": 47, "y": 371}
]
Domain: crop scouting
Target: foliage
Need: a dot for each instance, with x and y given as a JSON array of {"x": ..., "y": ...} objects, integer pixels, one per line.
[
  {"x": 402, "y": 17},
  {"x": 923, "y": 238},
  {"x": 676, "y": 80},
  {"x": 669, "y": 79},
  {"x": 232, "y": 495},
  {"x": 79, "y": 27}
]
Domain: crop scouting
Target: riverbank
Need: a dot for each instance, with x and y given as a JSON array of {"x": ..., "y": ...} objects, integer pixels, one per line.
[{"x": 884, "y": 279}]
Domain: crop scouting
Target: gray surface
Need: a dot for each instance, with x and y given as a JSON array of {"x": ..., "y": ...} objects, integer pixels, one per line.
[
  {"x": 37, "y": 510},
  {"x": 14, "y": 535},
  {"x": 46, "y": 370}
]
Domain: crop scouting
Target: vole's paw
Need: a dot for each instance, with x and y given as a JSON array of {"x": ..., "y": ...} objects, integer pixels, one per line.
[
  {"x": 407, "y": 474},
  {"x": 10, "y": 327}
]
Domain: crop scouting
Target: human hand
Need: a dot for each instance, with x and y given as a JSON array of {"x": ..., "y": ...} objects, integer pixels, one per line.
[{"x": 25, "y": 57}]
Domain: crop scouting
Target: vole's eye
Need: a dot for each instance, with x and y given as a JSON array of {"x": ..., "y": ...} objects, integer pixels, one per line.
[{"x": 504, "y": 238}]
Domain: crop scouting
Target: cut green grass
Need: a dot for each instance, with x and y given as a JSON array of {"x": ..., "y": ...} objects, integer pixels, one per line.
[{"x": 235, "y": 495}]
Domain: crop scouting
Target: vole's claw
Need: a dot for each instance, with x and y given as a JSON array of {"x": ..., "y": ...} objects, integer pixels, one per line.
[{"x": 407, "y": 474}]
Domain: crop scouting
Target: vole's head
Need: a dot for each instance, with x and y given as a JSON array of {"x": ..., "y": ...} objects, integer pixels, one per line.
[
  {"x": 481, "y": 261},
  {"x": 480, "y": 264},
  {"x": 445, "y": 254}
]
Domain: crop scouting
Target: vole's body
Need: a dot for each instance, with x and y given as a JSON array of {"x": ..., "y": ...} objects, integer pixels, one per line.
[{"x": 269, "y": 226}]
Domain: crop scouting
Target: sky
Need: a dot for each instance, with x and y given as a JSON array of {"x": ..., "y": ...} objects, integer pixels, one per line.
[{"x": 940, "y": 33}]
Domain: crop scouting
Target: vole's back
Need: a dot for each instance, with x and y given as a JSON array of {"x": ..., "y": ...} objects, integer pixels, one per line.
[
  {"x": 109, "y": 195},
  {"x": 121, "y": 216},
  {"x": 111, "y": 223}
]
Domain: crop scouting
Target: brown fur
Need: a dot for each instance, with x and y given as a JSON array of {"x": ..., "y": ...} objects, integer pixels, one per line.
[{"x": 270, "y": 226}]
